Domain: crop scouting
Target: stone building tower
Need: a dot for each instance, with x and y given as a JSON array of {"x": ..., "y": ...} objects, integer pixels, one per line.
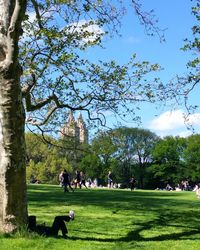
[
  {"x": 83, "y": 131},
  {"x": 76, "y": 129}
]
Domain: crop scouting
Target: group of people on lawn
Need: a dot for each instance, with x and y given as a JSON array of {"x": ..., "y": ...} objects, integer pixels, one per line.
[
  {"x": 65, "y": 180},
  {"x": 80, "y": 180},
  {"x": 131, "y": 184}
]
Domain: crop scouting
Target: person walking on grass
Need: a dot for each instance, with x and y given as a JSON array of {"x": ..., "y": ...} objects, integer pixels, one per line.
[
  {"x": 83, "y": 179},
  {"x": 66, "y": 181},
  {"x": 132, "y": 183},
  {"x": 77, "y": 179},
  {"x": 110, "y": 179},
  {"x": 61, "y": 178}
]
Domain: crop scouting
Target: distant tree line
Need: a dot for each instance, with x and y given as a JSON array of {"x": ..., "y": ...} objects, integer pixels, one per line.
[{"x": 127, "y": 152}]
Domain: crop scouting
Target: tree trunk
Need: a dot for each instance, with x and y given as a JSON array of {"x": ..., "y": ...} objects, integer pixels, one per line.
[{"x": 13, "y": 202}]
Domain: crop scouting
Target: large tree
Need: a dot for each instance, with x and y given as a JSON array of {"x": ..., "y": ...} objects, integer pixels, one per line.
[
  {"x": 46, "y": 71},
  {"x": 168, "y": 165},
  {"x": 134, "y": 147},
  {"x": 191, "y": 157},
  {"x": 126, "y": 152},
  {"x": 45, "y": 161}
]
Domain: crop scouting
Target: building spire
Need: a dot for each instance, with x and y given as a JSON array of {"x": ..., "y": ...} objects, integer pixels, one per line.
[
  {"x": 71, "y": 117},
  {"x": 74, "y": 128}
]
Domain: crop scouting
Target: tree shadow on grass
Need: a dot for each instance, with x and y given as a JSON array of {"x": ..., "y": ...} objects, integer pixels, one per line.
[
  {"x": 46, "y": 195},
  {"x": 135, "y": 235},
  {"x": 165, "y": 220},
  {"x": 49, "y": 195}
]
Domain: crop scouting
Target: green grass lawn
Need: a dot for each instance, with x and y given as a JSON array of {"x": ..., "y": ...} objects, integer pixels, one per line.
[{"x": 113, "y": 219}]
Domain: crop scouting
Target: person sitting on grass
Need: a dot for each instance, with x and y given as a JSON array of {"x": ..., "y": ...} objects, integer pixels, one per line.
[{"x": 58, "y": 224}]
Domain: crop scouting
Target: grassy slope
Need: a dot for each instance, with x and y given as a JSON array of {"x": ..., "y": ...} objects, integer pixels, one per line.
[{"x": 114, "y": 219}]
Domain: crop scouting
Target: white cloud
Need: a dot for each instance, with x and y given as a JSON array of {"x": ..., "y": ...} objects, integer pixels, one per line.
[
  {"x": 194, "y": 119},
  {"x": 174, "y": 123},
  {"x": 168, "y": 121},
  {"x": 91, "y": 31}
]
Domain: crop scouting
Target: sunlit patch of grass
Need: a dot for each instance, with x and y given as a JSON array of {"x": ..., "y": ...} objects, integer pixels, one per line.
[{"x": 113, "y": 219}]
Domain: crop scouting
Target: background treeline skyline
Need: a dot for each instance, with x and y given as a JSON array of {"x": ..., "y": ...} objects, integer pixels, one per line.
[{"x": 127, "y": 152}]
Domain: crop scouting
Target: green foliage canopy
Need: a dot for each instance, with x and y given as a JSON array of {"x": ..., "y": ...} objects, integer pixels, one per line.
[
  {"x": 44, "y": 161},
  {"x": 191, "y": 157}
]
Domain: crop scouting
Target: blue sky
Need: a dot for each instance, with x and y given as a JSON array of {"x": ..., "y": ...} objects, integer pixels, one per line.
[{"x": 174, "y": 16}]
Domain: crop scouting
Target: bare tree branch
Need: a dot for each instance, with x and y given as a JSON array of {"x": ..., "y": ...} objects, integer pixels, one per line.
[
  {"x": 38, "y": 16},
  {"x": 148, "y": 20}
]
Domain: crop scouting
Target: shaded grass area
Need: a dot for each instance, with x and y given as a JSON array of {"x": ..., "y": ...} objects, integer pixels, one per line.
[{"x": 114, "y": 219}]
